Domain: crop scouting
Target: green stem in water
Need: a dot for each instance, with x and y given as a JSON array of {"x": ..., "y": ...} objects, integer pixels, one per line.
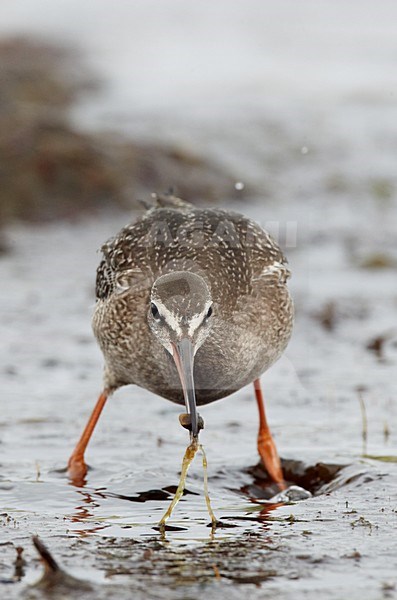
[
  {"x": 187, "y": 461},
  {"x": 190, "y": 453},
  {"x": 206, "y": 494}
]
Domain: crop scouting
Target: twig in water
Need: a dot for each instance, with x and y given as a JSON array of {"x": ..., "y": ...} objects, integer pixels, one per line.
[{"x": 364, "y": 432}]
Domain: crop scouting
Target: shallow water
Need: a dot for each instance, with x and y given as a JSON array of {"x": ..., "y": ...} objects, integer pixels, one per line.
[
  {"x": 340, "y": 541},
  {"x": 321, "y": 174},
  {"x": 313, "y": 137}
]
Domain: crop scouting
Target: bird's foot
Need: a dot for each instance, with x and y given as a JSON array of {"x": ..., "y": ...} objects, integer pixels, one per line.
[{"x": 77, "y": 470}]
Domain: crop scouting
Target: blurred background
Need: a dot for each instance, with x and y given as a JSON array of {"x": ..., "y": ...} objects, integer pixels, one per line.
[
  {"x": 101, "y": 104},
  {"x": 286, "y": 111}
]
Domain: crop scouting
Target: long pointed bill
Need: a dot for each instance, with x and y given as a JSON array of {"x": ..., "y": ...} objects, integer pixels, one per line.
[{"x": 184, "y": 358}]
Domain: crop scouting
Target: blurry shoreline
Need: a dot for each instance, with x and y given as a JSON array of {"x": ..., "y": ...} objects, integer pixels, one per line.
[{"x": 52, "y": 169}]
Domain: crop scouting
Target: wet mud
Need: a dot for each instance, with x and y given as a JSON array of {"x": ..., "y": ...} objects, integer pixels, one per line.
[
  {"x": 331, "y": 404},
  {"x": 338, "y": 536},
  {"x": 106, "y": 549}
]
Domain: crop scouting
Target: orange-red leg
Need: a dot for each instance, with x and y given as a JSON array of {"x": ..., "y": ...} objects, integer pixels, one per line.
[
  {"x": 266, "y": 445},
  {"x": 77, "y": 468}
]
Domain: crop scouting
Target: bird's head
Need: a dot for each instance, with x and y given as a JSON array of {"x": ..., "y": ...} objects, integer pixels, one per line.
[{"x": 180, "y": 316}]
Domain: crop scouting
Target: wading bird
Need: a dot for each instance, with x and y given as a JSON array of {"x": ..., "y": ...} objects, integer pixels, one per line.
[{"x": 192, "y": 304}]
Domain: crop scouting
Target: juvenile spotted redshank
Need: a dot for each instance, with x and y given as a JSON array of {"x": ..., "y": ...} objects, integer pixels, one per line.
[{"x": 192, "y": 304}]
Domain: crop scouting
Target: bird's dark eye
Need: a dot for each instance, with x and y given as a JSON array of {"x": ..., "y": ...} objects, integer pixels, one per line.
[
  {"x": 209, "y": 313},
  {"x": 155, "y": 312}
]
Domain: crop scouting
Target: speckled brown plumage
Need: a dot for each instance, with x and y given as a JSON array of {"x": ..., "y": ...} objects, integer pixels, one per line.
[{"x": 246, "y": 274}]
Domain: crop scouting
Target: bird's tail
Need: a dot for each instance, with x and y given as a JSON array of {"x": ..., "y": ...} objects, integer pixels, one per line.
[{"x": 167, "y": 200}]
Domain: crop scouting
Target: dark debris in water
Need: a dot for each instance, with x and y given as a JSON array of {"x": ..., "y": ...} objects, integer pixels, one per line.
[
  {"x": 168, "y": 528},
  {"x": 172, "y": 490},
  {"x": 333, "y": 312},
  {"x": 241, "y": 560},
  {"x": 164, "y": 493},
  {"x": 327, "y": 316},
  {"x": 19, "y": 568},
  {"x": 309, "y": 477},
  {"x": 55, "y": 579},
  {"x": 221, "y": 525},
  {"x": 377, "y": 344}
]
